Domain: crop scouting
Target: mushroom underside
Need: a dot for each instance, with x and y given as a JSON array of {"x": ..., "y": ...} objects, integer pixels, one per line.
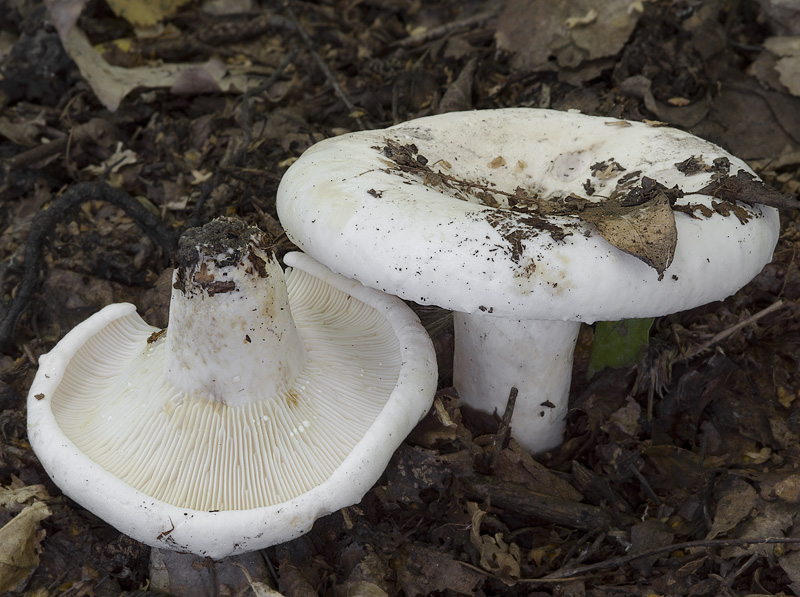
[{"x": 186, "y": 472}]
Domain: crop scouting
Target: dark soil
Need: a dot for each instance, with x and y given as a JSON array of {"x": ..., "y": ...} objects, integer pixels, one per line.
[{"x": 678, "y": 475}]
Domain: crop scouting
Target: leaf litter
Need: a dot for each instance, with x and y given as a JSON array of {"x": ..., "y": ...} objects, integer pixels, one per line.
[{"x": 678, "y": 474}]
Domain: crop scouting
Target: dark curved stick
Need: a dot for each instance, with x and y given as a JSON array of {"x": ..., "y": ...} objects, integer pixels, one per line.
[{"x": 43, "y": 225}]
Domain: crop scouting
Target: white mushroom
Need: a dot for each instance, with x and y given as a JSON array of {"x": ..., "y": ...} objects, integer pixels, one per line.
[
  {"x": 265, "y": 405},
  {"x": 468, "y": 211}
]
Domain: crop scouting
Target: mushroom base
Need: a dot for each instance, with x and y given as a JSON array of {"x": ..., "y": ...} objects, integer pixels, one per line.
[{"x": 493, "y": 355}]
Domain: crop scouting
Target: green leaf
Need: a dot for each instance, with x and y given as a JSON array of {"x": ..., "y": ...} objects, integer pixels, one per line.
[{"x": 618, "y": 343}]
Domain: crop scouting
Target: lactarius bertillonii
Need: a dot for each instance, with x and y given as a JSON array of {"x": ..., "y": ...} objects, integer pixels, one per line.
[
  {"x": 269, "y": 401},
  {"x": 526, "y": 222}
]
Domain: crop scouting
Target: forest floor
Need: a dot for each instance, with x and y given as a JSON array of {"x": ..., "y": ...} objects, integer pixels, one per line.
[{"x": 679, "y": 472}]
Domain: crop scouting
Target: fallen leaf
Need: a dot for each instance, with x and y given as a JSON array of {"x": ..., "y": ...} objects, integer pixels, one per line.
[
  {"x": 112, "y": 83},
  {"x": 259, "y": 589},
  {"x": 791, "y": 565},
  {"x": 426, "y": 571},
  {"x": 26, "y": 133},
  {"x": 14, "y": 498},
  {"x": 646, "y": 231},
  {"x": 625, "y": 420},
  {"x": 497, "y": 556},
  {"x": 573, "y": 31},
  {"x": 733, "y": 506},
  {"x": 787, "y": 49},
  {"x": 19, "y": 545},
  {"x": 768, "y": 520},
  {"x": 745, "y": 188},
  {"x": 121, "y": 157},
  {"x": 648, "y": 535},
  {"x": 459, "y": 93}
]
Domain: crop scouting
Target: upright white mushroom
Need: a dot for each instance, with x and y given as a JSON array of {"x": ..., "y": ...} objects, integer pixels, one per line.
[
  {"x": 264, "y": 405},
  {"x": 498, "y": 215}
]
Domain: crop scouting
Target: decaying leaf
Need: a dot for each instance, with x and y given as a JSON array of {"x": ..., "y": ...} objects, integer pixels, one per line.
[
  {"x": 259, "y": 589},
  {"x": 787, "y": 51},
  {"x": 573, "y": 31},
  {"x": 121, "y": 157},
  {"x": 624, "y": 420},
  {"x": 497, "y": 556},
  {"x": 734, "y": 505},
  {"x": 648, "y": 535},
  {"x": 790, "y": 563},
  {"x": 426, "y": 571},
  {"x": 646, "y": 231},
  {"x": 112, "y": 83},
  {"x": 25, "y": 133},
  {"x": 19, "y": 545},
  {"x": 746, "y": 188},
  {"x": 145, "y": 13},
  {"x": 767, "y": 520},
  {"x": 13, "y": 498}
]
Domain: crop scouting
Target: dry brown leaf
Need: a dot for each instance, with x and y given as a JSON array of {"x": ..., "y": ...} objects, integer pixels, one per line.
[
  {"x": 259, "y": 589},
  {"x": 733, "y": 506},
  {"x": 645, "y": 536},
  {"x": 13, "y": 498},
  {"x": 790, "y": 563},
  {"x": 426, "y": 571},
  {"x": 646, "y": 231},
  {"x": 497, "y": 556},
  {"x": 112, "y": 83},
  {"x": 787, "y": 51},
  {"x": 573, "y": 30},
  {"x": 19, "y": 545}
]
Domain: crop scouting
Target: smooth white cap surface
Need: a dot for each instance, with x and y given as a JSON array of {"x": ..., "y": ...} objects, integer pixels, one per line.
[
  {"x": 344, "y": 203},
  {"x": 213, "y": 479}
]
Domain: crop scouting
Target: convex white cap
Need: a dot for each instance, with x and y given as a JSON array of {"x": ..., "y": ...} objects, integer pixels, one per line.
[
  {"x": 264, "y": 406},
  {"x": 363, "y": 206}
]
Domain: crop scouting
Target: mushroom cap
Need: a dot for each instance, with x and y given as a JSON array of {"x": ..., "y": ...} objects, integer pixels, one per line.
[
  {"x": 351, "y": 203},
  {"x": 99, "y": 403}
]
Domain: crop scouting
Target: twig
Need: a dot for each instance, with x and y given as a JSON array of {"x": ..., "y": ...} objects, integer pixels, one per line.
[
  {"x": 522, "y": 501},
  {"x": 205, "y": 192},
  {"x": 733, "y": 329},
  {"x": 570, "y": 573},
  {"x": 352, "y": 110},
  {"x": 446, "y": 29},
  {"x": 45, "y": 221},
  {"x": 38, "y": 153},
  {"x": 503, "y": 430},
  {"x": 649, "y": 490}
]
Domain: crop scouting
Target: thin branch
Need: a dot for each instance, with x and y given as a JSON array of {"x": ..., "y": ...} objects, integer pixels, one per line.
[
  {"x": 563, "y": 574},
  {"x": 446, "y": 29},
  {"x": 352, "y": 110},
  {"x": 38, "y": 153},
  {"x": 716, "y": 338},
  {"x": 504, "y": 429}
]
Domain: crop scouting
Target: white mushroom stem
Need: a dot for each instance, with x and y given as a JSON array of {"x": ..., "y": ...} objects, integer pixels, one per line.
[
  {"x": 493, "y": 355},
  {"x": 231, "y": 335}
]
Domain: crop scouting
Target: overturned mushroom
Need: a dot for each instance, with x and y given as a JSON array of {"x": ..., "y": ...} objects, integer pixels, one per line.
[
  {"x": 526, "y": 222},
  {"x": 263, "y": 406}
]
